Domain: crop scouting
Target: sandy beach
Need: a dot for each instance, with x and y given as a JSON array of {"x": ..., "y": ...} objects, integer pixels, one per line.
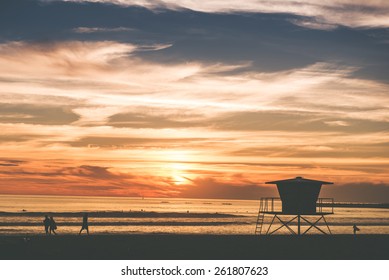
[{"x": 159, "y": 246}]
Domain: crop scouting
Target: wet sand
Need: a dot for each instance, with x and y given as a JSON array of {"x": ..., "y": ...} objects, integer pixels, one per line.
[{"x": 189, "y": 247}]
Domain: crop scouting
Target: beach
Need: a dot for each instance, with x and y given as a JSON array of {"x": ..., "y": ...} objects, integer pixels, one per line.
[
  {"x": 194, "y": 247},
  {"x": 135, "y": 228}
]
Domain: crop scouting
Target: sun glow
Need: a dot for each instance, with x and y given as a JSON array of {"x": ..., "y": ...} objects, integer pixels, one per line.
[
  {"x": 179, "y": 180},
  {"x": 177, "y": 167},
  {"x": 178, "y": 173}
]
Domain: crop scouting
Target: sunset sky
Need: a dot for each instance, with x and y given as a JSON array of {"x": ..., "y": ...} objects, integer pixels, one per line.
[{"x": 199, "y": 99}]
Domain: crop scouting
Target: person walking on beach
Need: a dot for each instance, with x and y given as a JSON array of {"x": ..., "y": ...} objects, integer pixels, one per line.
[
  {"x": 355, "y": 229},
  {"x": 84, "y": 224},
  {"x": 46, "y": 222},
  {"x": 53, "y": 225}
]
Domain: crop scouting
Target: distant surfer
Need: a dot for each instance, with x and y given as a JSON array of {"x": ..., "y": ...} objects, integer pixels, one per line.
[
  {"x": 355, "y": 229},
  {"x": 85, "y": 224},
  {"x": 46, "y": 223}
]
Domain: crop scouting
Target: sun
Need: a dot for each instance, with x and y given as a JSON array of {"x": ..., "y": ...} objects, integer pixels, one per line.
[
  {"x": 178, "y": 173},
  {"x": 179, "y": 180},
  {"x": 177, "y": 165}
]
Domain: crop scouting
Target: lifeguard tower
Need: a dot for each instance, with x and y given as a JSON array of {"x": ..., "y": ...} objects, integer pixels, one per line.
[{"x": 299, "y": 200}]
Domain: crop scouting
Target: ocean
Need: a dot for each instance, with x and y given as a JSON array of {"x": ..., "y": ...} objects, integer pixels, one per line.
[{"x": 24, "y": 214}]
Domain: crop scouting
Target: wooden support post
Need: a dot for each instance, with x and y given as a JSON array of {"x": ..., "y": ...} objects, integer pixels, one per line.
[{"x": 298, "y": 224}]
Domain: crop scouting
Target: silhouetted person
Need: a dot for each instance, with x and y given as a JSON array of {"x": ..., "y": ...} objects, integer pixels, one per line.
[
  {"x": 85, "y": 224},
  {"x": 46, "y": 222},
  {"x": 53, "y": 226},
  {"x": 355, "y": 229}
]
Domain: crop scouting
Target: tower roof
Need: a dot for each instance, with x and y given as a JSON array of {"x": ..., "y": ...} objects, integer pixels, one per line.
[{"x": 299, "y": 180}]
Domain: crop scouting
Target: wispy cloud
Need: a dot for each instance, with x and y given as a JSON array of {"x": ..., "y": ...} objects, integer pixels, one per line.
[
  {"x": 103, "y": 79},
  {"x": 312, "y": 23},
  {"x": 101, "y": 29},
  {"x": 358, "y": 13}
]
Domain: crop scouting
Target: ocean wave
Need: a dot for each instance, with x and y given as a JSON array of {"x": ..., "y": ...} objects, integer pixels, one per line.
[
  {"x": 121, "y": 223},
  {"x": 120, "y": 214}
]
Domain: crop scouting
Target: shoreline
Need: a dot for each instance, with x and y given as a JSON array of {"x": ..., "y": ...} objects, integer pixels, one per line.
[{"x": 196, "y": 247}]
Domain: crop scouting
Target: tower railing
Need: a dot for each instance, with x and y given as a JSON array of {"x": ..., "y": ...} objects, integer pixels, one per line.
[
  {"x": 325, "y": 205},
  {"x": 274, "y": 205},
  {"x": 270, "y": 204}
]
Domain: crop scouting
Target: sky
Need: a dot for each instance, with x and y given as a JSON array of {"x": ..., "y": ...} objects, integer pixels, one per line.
[{"x": 194, "y": 99}]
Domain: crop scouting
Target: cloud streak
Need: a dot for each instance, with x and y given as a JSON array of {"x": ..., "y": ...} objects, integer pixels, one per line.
[
  {"x": 101, "y": 29},
  {"x": 350, "y": 13}
]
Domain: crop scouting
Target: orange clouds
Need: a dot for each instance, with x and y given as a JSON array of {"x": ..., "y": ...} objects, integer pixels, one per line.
[{"x": 94, "y": 118}]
